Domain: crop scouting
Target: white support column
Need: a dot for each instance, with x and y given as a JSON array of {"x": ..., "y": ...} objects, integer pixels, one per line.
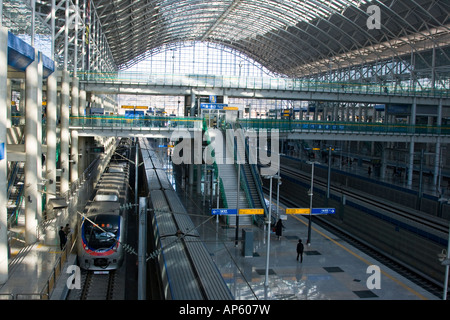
[
  {"x": 82, "y": 103},
  {"x": 438, "y": 146},
  {"x": 52, "y": 103},
  {"x": 192, "y": 110},
  {"x": 411, "y": 144},
  {"x": 51, "y": 136},
  {"x": 82, "y": 154},
  {"x": 8, "y": 103},
  {"x": 199, "y": 178},
  {"x": 40, "y": 72},
  {"x": 75, "y": 89},
  {"x": 31, "y": 193},
  {"x": 64, "y": 155},
  {"x": 74, "y": 133},
  {"x": 74, "y": 156},
  {"x": 64, "y": 113},
  {"x": 3, "y": 163}
]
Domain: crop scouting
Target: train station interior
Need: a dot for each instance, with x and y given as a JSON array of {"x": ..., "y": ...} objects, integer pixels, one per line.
[{"x": 238, "y": 132}]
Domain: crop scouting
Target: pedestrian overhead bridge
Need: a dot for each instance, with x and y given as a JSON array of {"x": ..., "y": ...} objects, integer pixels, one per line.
[
  {"x": 164, "y": 127},
  {"x": 262, "y": 88}
]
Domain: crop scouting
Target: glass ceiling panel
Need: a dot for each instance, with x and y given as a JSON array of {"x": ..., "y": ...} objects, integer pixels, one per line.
[{"x": 291, "y": 37}]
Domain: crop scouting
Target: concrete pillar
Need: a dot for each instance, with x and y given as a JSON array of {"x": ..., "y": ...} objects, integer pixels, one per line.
[
  {"x": 82, "y": 154},
  {"x": 82, "y": 103},
  {"x": 39, "y": 136},
  {"x": 64, "y": 156},
  {"x": 438, "y": 146},
  {"x": 74, "y": 156},
  {"x": 52, "y": 102},
  {"x": 22, "y": 97},
  {"x": 8, "y": 103},
  {"x": 429, "y": 146},
  {"x": 199, "y": 178},
  {"x": 192, "y": 111},
  {"x": 74, "y": 133},
  {"x": 3, "y": 163},
  {"x": 31, "y": 150},
  {"x": 411, "y": 144},
  {"x": 75, "y": 96}
]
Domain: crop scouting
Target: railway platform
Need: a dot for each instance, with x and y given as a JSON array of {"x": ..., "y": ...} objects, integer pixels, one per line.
[
  {"x": 38, "y": 271},
  {"x": 332, "y": 269}
]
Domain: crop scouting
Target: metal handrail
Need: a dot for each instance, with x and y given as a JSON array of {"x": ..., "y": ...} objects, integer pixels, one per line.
[
  {"x": 120, "y": 121},
  {"x": 287, "y": 125},
  {"x": 266, "y": 83}
]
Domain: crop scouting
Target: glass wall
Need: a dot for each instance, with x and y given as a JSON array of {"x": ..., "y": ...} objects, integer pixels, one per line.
[
  {"x": 199, "y": 58},
  {"x": 194, "y": 58}
]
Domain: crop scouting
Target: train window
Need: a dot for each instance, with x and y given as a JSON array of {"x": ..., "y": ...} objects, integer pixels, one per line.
[
  {"x": 103, "y": 234},
  {"x": 106, "y": 197}
]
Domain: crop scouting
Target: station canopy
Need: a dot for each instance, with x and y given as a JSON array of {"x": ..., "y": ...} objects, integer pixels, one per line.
[{"x": 295, "y": 38}]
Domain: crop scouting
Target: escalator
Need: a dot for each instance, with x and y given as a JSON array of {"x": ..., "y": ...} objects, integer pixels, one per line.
[
  {"x": 250, "y": 192},
  {"x": 15, "y": 191}
]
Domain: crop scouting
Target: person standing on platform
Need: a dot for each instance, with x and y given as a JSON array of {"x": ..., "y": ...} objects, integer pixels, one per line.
[
  {"x": 67, "y": 231},
  {"x": 300, "y": 248},
  {"x": 62, "y": 238},
  {"x": 279, "y": 228}
]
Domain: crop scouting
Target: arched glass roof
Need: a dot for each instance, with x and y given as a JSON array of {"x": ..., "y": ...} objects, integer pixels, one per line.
[
  {"x": 290, "y": 37},
  {"x": 199, "y": 58}
]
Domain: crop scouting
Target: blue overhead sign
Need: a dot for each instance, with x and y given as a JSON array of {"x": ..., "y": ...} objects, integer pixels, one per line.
[
  {"x": 323, "y": 211},
  {"x": 223, "y": 211},
  {"x": 213, "y": 106}
]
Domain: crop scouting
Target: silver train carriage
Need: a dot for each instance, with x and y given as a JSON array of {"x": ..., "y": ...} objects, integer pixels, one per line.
[{"x": 103, "y": 225}]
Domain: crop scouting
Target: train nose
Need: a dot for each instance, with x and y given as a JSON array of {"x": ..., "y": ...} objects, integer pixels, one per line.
[{"x": 101, "y": 262}]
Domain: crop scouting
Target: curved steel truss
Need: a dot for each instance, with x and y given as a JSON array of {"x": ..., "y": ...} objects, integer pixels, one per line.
[
  {"x": 337, "y": 40},
  {"x": 290, "y": 37}
]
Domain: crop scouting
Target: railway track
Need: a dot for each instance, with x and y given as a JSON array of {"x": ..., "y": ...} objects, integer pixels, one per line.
[
  {"x": 434, "y": 223},
  {"x": 96, "y": 285},
  {"x": 430, "y": 222}
]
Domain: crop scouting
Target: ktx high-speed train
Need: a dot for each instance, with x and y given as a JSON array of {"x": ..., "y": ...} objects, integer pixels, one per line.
[{"x": 103, "y": 224}]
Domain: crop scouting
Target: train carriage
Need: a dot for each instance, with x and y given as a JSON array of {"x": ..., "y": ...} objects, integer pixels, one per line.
[{"x": 103, "y": 224}]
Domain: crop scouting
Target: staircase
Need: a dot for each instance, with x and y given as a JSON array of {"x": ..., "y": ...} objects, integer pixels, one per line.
[
  {"x": 16, "y": 220},
  {"x": 256, "y": 199},
  {"x": 228, "y": 174},
  {"x": 249, "y": 196},
  {"x": 15, "y": 188}
]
